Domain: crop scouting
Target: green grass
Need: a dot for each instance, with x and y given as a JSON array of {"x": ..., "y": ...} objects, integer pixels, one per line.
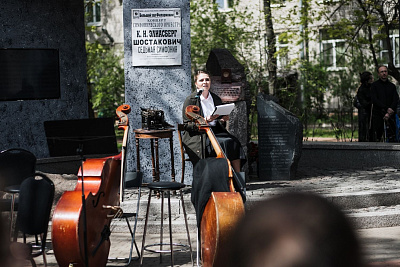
[
  {"x": 319, "y": 132},
  {"x": 329, "y": 133}
]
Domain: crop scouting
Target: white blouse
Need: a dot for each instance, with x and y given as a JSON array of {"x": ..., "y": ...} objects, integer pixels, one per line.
[{"x": 208, "y": 107}]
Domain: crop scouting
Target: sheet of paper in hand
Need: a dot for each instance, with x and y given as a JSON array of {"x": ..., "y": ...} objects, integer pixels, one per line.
[{"x": 225, "y": 109}]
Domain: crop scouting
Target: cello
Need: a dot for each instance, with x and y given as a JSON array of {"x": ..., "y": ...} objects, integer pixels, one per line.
[
  {"x": 222, "y": 210},
  {"x": 82, "y": 217}
]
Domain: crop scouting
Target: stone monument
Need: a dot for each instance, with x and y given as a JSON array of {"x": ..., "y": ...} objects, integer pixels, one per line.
[
  {"x": 280, "y": 135},
  {"x": 157, "y": 73},
  {"x": 229, "y": 83}
]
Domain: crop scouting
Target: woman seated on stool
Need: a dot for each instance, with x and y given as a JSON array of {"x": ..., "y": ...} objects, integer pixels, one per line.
[{"x": 196, "y": 143}]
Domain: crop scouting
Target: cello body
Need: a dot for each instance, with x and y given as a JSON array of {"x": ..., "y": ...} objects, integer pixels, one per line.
[
  {"x": 220, "y": 215},
  {"x": 222, "y": 210},
  {"x": 96, "y": 200}
]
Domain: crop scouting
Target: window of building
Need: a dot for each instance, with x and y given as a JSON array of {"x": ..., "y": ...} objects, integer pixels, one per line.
[
  {"x": 394, "y": 41},
  {"x": 282, "y": 49},
  {"x": 333, "y": 52},
  {"x": 224, "y": 4},
  {"x": 93, "y": 12},
  {"x": 278, "y": 3}
]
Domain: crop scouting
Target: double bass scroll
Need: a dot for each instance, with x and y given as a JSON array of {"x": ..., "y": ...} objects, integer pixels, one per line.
[{"x": 123, "y": 124}]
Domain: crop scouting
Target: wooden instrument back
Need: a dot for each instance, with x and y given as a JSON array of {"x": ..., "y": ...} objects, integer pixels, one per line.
[
  {"x": 67, "y": 223},
  {"x": 99, "y": 180},
  {"x": 219, "y": 218}
]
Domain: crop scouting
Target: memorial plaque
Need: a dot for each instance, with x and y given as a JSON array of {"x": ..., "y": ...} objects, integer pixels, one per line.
[
  {"x": 279, "y": 141},
  {"x": 156, "y": 37}
]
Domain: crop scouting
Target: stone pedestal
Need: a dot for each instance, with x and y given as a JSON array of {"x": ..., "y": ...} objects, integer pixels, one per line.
[{"x": 148, "y": 85}]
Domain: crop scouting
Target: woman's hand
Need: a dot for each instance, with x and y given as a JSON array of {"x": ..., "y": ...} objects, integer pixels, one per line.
[
  {"x": 225, "y": 118},
  {"x": 212, "y": 117}
]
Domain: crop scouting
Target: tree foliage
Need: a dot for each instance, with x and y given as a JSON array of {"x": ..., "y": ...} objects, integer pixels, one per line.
[
  {"x": 364, "y": 25},
  {"x": 236, "y": 29},
  {"x": 105, "y": 77},
  {"x": 367, "y": 25},
  {"x": 241, "y": 31}
]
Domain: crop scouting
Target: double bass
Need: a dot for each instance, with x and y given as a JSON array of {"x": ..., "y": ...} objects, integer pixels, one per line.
[
  {"x": 82, "y": 217},
  {"x": 222, "y": 210}
]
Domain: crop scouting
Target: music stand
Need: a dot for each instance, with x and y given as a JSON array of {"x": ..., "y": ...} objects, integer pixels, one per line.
[
  {"x": 81, "y": 137},
  {"x": 94, "y": 136}
]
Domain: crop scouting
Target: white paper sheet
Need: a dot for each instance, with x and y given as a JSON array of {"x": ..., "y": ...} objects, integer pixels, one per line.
[{"x": 225, "y": 109}]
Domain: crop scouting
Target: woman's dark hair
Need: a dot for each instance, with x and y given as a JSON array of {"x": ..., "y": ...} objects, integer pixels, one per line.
[
  {"x": 364, "y": 77},
  {"x": 198, "y": 72}
]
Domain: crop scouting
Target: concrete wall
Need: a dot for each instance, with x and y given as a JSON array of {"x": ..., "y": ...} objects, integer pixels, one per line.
[
  {"x": 349, "y": 155},
  {"x": 44, "y": 24}
]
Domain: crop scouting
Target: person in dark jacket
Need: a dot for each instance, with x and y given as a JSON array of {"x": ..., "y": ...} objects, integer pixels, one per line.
[
  {"x": 196, "y": 143},
  {"x": 384, "y": 99},
  {"x": 364, "y": 106}
]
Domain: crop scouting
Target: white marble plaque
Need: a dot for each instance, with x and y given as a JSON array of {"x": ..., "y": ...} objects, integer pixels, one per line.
[{"x": 156, "y": 37}]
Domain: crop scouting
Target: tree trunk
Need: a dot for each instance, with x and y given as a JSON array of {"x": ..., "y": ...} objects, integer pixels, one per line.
[{"x": 271, "y": 48}]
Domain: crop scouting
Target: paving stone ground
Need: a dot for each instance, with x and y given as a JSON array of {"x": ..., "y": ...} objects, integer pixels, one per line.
[{"x": 381, "y": 245}]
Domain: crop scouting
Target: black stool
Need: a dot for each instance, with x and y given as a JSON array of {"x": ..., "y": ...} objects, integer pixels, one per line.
[{"x": 166, "y": 187}]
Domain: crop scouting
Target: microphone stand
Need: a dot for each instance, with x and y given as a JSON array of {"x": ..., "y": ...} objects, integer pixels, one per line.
[
  {"x": 79, "y": 151},
  {"x": 199, "y": 93}
]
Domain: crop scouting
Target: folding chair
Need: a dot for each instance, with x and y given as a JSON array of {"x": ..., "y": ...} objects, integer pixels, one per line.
[
  {"x": 184, "y": 155},
  {"x": 35, "y": 202},
  {"x": 15, "y": 166},
  {"x": 132, "y": 180}
]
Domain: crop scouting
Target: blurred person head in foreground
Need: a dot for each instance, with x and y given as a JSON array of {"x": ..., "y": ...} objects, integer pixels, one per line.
[{"x": 294, "y": 230}]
